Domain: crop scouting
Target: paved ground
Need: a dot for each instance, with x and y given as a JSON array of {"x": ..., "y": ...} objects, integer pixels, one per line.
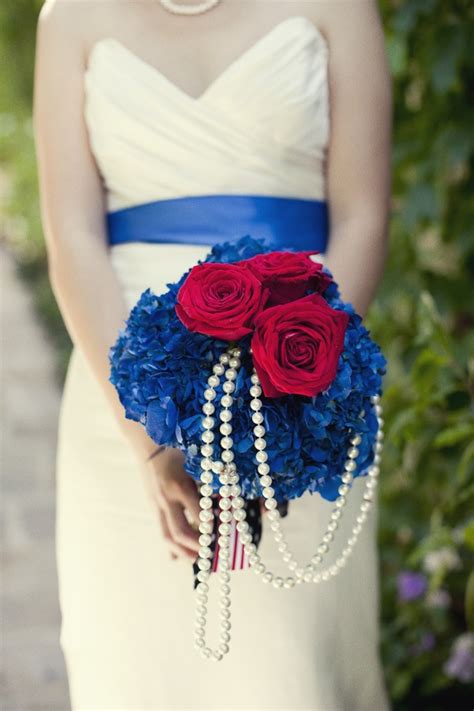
[{"x": 33, "y": 666}]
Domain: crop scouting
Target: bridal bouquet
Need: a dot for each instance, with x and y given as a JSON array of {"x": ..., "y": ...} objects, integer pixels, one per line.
[{"x": 270, "y": 384}]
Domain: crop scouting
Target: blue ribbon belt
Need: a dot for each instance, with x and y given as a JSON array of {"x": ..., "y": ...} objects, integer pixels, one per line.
[{"x": 283, "y": 222}]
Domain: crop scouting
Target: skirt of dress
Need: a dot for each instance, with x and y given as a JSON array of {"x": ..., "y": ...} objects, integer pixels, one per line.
[{"x": 128, "y": 610}]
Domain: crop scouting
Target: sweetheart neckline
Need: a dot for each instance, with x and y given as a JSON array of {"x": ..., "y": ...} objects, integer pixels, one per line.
[{"x": 234, "y": 64}]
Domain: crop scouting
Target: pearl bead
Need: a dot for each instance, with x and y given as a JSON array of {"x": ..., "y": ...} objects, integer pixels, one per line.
[
  {"x": 242, "y": 526},
  {"x": 205, "y": 552},
  {"x": 208, "y": 528},
  {"x": 225, "y": 504},
  {"x": 234, "y": 362},
  {"x": 213, "y": 381},
  {"x": 225, "y": 415},
  {"x": 206, "y": 516},
  {"x": 231, "y": 373},
  {"x": 217, "y": 466},
  {"x": 224, "y": 358},
  {"x": 267, "y": 577},
  {"x": 341, "y": 501},
  {"x": 270, "y": 504},
  {"x": 227, "y": 455},
  {"x": 209, "y": 393},
  {"x": 257, "y": 417},
  {"x": 357, "y": 439},
  {"x": 207, "y": 450},
  {"x": 224, "y": 529},
  {"x": 347, "y": 478},
  {"x": 289, "y": 583},
  {"x": 263, "y": 469},
  {"x": 227, "y": 442},
  {"x": 261, "y": 456},
  {"x": 208, "y": 422},
  {"x": 239, "y": 514},
  {"x": 204, "y": 564},
  {"x": 225, "y": 516},
  {"x": 350, "y": 465},
  {"x": 206, "y": 463},
  {"x": 225, "y": 428},
  {"x": 259, "y": 431},
  {"x": 204, "y": 540},
  {"x": 277, "y": 582},
  {"x": 255, "y": 404},
  {"x": 227, "y": 400},
  {"x": 343, "y": 489},
  {"x": 254, "y": 379},
  {"x": 228, "y": 387},
  {"x": 208, "y": 408},
  {"x": 255, "y": 391},
  {"x": 205, "y": 502},
  {"x": 238, "y": 502},
  {"x": 218, "y": 369},
  {"x": 265, "y": 481},
  {"x": 260, "y": 443},
  {"x": 352, "y": 452}
]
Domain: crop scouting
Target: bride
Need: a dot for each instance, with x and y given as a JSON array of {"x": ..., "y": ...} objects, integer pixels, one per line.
[{"x": 157, "y": 124}]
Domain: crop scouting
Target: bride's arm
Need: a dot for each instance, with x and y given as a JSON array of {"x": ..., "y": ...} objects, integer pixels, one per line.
[
  {"x": 81, "y": 275},
  {"x": 358, "y": 176},
  {"x": 72, "y": 206}
]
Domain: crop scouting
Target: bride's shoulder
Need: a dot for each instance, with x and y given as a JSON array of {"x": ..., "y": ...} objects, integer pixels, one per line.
[{"x": 74, "y": 24}]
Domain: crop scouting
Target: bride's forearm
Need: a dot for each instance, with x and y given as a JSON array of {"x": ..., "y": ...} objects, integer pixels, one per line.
[
  {"x": 93, "y": 309},
  {"x": 356, "y": 256}
]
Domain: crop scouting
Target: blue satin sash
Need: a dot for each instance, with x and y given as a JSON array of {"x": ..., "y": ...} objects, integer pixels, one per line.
[{"x": 284, "y": 222}]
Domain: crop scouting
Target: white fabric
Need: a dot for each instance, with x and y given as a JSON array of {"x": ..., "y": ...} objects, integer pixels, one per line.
[{"x": 127, "y": 609}]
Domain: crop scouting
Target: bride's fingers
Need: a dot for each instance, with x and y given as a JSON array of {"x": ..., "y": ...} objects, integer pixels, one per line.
[
  {"x": 176, "y": 550},
  {"x": 180, "y": 529}
]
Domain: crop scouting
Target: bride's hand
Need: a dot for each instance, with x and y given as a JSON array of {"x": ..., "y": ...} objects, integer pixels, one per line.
[{"x": 172, "y": 491}]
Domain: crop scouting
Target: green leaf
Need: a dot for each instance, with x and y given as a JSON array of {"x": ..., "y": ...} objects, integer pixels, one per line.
[
  {"x": 469, "y": 536},
  {"x": 469, "y": 601},
  {"x": 453, "y": 435}
]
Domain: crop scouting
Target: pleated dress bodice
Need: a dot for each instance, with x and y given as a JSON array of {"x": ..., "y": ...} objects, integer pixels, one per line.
[{"x": 261, "y": 127}]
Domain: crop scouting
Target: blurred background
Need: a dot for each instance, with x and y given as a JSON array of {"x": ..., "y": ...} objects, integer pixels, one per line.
[{"x": 423, "y": 317}]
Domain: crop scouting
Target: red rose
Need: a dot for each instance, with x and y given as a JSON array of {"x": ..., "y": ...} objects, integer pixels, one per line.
[
  {"x": 220, "y": 300},
  {"x": 296, "y": 346},
  {"x": 288, "y": 275}
]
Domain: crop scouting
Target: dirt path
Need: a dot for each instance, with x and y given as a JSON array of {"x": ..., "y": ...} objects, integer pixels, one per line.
[{"x": 33, "y": 666}]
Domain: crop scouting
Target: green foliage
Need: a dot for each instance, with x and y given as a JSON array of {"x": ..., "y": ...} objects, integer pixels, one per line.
[
  {"x": 423, "y": 317},
  {"x": 427, "y": 492}
]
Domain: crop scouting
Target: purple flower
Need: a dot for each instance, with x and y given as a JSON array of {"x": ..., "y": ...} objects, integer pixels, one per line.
[
  {"x": 410, "y": 585},
  {"x": 460, "y": 664},
  {"x": 425, "y": 644}
]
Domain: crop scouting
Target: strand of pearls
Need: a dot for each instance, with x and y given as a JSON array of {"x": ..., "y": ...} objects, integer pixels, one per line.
[
  {"x": 180, "y": 9},
  {"x": 230, "y": 499},
  {"x": 231, "y": 504},
  {"x": 309, "y": 572}
]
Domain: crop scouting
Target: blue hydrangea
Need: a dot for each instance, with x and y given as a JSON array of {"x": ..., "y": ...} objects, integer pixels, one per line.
[{"x": 160, "y": 371}]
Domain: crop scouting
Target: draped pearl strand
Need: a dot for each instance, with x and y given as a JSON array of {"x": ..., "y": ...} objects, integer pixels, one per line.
[
  {"x": 178, "y": 9},
  {"x": 231, "y": 504}
]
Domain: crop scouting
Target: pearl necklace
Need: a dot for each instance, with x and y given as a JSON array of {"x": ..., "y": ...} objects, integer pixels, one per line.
[
  {"x": 231, "y": 504},
  {"x": 179, "y": 9}
]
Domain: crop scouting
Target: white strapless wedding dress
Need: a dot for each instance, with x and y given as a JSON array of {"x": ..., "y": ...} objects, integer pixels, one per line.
[{"x": 262, "y": 127}]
